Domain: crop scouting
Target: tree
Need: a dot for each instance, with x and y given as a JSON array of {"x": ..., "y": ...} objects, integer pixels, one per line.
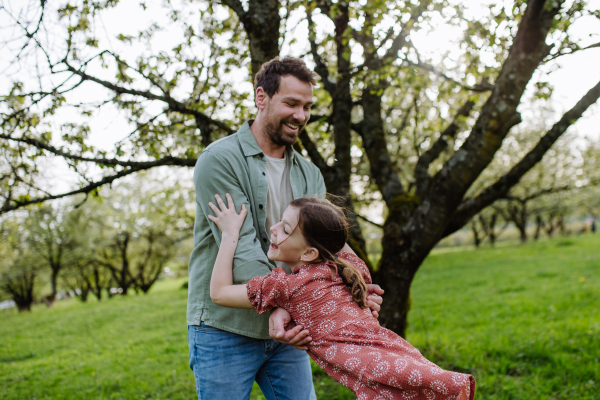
[
  {"x": 51, "y": 234},
  {"x": 377, "y": 113},
  {"x": 545, "y": 190},
  {"x": 140, "y": 225},
  {"x": 19, "y": 269},
  {"x": 484, "y": 226}
]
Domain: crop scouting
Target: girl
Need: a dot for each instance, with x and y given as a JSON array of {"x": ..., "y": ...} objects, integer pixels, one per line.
[{"x": 326, "y": 294}]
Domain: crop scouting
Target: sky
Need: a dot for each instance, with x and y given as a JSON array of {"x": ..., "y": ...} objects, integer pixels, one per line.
[{"x": 577, "y": 73}]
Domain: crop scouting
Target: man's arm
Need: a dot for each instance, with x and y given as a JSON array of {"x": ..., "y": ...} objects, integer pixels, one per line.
[
  {"x": 282, "y": 329},
  {"x": 215, "y": 175}
]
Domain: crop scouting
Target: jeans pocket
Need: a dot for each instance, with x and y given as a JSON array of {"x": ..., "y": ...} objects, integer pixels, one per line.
[{"x": 203, "y": 328}]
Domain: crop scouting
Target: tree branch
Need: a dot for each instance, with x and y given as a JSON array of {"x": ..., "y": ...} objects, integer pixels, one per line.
[
  {"x": 173, "y": 104},
  {"x": 314, "y": 153},
  {"x": 321, "y": 67},
  {"x": 375, "y": 144},
  {"x": 168, "y": 160},
  {"x": 502, "y": 186},
  {"x": 479, "y": 88},
  {"x": 86, "y": 189},
  {"x": 560, "y": 54},
  {"x": 400, "y": 40},
  {"x": 237, "y": 7},
  {"x": 369, "y": 221},
  {"x": 422, "y": 177}
]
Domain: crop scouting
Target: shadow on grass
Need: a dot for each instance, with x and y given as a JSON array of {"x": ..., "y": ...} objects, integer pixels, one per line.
[{"x": 17, "y": 358}]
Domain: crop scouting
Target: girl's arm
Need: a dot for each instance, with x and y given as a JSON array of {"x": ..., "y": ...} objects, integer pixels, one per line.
[{"x": 222, "y": 290}]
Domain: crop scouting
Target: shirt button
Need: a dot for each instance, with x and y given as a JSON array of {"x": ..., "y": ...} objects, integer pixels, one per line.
[
  {"x": 265, "y": 240},
  {"x": 260, "y": 206},
  {"x": 264, "y": 174}
]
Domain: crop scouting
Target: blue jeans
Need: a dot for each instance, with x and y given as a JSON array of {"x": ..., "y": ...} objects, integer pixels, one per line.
[{"x": 226, "y": 365}]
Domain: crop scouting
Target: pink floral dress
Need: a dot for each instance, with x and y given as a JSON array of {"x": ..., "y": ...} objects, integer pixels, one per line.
[{"x": 348, "y": 342}]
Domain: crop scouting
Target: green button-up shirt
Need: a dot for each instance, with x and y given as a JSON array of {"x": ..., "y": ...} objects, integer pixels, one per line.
[{"x": 236, "y": 165}]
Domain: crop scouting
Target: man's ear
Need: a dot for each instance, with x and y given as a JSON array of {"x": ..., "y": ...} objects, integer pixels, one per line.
[
  {"x": 309, "y": 255},
  {"x": 260, "y": 98}
]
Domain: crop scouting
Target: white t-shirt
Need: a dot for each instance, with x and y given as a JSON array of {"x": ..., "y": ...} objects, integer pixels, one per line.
[{"x": 279, "y": 195}]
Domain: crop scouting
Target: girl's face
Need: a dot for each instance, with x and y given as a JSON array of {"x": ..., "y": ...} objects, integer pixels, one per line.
[{"x": 287, "y": 242}]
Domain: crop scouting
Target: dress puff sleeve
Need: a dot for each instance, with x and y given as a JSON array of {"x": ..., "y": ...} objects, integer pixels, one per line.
[
  {"x": 358, "y": 264},
  {"x": 270, "y": 291}
]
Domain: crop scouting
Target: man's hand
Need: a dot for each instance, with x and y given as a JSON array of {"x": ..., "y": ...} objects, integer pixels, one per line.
[
  {"x": 283, "y": 330},
  {"x": 374, "y": 299}
]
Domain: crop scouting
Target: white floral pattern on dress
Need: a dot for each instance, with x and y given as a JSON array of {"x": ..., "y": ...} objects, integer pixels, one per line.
[
  {"x": 352, "y": 363},
  {"x": 414, "y": 378},
  {"x": 329, "y": 307},
  {"x": 348, "y": 342}
]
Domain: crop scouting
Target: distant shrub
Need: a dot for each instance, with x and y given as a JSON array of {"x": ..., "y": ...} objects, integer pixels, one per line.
[
  {"x": 185, "y": 285},
  {"x": 564, "y": 243}
]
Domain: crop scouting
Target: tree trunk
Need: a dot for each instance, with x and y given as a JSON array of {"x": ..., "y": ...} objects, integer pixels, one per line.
[
  {"x": 522, "y": 233},
  {"x": 476, "y": 239},
  {"x": 97, "y": 286},
  {"x": 492, "y": 227},
  {"x": 51, "y": 298},
  {"x": 21, "y": 290},
  {"x": 261, "y": 23}
]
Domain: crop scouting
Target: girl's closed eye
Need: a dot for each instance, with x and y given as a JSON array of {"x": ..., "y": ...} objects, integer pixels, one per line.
[{"x": 284, "y": 231}]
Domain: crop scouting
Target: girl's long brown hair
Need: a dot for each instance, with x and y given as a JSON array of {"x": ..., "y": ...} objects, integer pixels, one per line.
[{"x": 325, "y": 228}]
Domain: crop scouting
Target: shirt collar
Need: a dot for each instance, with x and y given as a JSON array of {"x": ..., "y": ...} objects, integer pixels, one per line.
[{"x": 249, "y": 145}]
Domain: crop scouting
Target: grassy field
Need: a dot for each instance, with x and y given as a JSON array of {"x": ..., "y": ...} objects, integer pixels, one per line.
[{"x": 525, "y": 320}]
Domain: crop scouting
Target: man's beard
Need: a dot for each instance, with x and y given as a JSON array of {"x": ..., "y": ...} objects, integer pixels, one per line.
[{"x": 276, "y": 134}]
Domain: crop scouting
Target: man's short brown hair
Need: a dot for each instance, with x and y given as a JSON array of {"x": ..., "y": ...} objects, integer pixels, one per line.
[{"x": 270, "y": 73}]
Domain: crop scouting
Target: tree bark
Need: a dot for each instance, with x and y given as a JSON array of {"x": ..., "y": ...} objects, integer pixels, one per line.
[
  {"x": 539, "y": 224},
  {"x": 261, "y": 23},
  {"x": 476, "y": 240}
]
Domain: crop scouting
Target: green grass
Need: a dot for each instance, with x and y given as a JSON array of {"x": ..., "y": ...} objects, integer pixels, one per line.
[{"x": 525, "y": 320}]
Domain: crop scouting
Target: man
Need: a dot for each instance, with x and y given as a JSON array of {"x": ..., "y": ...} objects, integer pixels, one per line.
[{"x": 231, "y": 348}]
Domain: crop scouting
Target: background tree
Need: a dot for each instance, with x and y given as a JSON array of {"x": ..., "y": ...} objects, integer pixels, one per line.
[
  {"x": 83, "y": 274},
  {"x": 421, "y": 134},
  {"x": 143, "y": 221},
  {"x": 51, "y": 234},
  {"x": 19, "y": 269}
]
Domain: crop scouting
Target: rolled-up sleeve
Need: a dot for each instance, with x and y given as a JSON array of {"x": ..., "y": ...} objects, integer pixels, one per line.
[
  {"x": 268, "y": 292},
  {"x": 214, "y": 174}
]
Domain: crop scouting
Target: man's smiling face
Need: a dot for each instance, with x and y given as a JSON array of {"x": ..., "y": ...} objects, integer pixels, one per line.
[{"x": 288, "y": 111}]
